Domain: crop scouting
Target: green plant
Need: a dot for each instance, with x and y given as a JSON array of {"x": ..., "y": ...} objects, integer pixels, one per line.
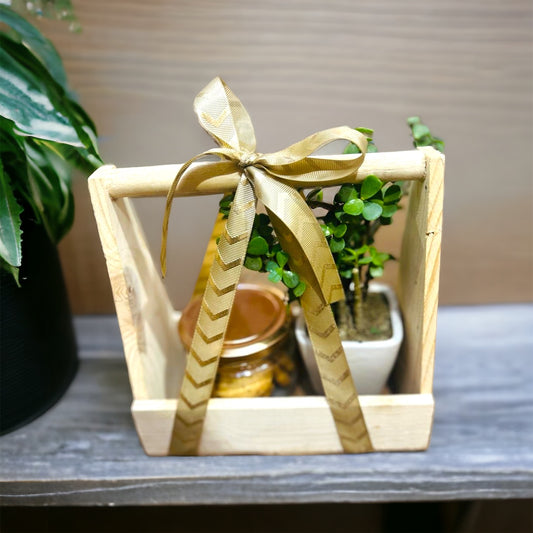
[
  {"x": 44, "y": 135},
  {"x": 349, "y": 223}
]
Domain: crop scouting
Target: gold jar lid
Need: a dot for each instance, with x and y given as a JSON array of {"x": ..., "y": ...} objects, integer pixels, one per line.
[{"x": 258, "y": 320}]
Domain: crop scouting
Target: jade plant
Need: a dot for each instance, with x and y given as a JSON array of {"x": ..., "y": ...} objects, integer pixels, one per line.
[
  {"x": 349, "y": 222},
  {"x": 44, "y": 135}
]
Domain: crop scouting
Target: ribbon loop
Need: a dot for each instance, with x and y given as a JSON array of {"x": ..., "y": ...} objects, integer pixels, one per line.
[{"x": 224, "y": 117}]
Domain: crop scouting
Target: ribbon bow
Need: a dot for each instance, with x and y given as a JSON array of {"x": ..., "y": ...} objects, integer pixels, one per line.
[{"x": 274, "y": 179}]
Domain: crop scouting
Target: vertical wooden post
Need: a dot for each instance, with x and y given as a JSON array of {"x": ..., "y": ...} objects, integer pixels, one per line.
[
  {"x": 418, "y": 285},
  {"x": 147, "y": 321}
]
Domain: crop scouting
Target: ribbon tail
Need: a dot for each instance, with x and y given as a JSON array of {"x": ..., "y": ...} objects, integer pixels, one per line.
[
  {"x": 301, "y": 237},
  {"x": 168, "y": 207},
  {"x": 208, "y": 339},
  {"x": 299, "y": 234},
  {"x": 339, "y": 387}
]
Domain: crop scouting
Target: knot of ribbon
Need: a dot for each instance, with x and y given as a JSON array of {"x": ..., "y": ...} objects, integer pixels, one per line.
[{"x": 274, "y": 179}]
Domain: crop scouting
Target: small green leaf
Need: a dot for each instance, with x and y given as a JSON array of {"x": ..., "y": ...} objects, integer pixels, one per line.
[
  {"x": 272, "y": 266},
  {"x": 376, "y": 271},
  {"x": 346, "y": 193},
  {"x": 336, "y": 245},
  {"x": 291, "y": 279},
  {"x": 371, "y": 211},
  {"x": 424, "y": 141},
  {"x": 365, "y": 131},
  {"x": 347, "y": 273},
  {"x": 354, "y": 207},
  {"x": 389, "y": 210},
  {"x": 282, "y": 258},
  {"x": 413, "y": 120},
  {"x": 257, "y": 246},
  {"x": 365, "y": 260},
  {"x": 340, "y": 230},
  {"x": 392, "y": 194},
  {"x": 253, "y": 263},
  {"x": 226, "y": 200},
  {"x": 275, "y": 276},
  {"x": 371, "y": 185},
  {"x": 352, "y": 149},
  {"x": 420, "y": 131},
  {"x": 380, "y": 258},
  {"x": 438, "y": 144},
  {"x": 325, "y": 230},
  {"x": 299, "y": 289},
  {"x": 372, "y": 148}
]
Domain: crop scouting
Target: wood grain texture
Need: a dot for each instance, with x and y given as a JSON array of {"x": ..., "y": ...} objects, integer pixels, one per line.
[
  {"x": 153, "y": 351},
  {"x": 418, "y": 280},
  {"x": 289, "y": 426},
  {"x": 464, "y": 65},
  {"x": 85, "y": 451}
]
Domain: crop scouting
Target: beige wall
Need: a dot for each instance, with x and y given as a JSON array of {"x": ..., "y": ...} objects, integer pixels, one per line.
[{"x": 464, "y": 65}]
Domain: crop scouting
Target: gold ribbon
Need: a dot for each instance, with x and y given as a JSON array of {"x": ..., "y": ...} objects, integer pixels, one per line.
[{"x": 274, "y": 179}]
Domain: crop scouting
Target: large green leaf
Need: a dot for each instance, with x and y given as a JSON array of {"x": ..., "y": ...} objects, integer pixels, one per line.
[
  {"x": 10, "y": 232},
  {"x": 67, "y": 108},
  {"x": 50, "y": 185},
  {"x": 34, "y": 40},
  {"x": 25, "y": 101},
  {"x": 15, "y": 161}
]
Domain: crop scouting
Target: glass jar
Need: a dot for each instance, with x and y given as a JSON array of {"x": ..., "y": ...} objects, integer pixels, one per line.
[{"x": 257, "y": 356}]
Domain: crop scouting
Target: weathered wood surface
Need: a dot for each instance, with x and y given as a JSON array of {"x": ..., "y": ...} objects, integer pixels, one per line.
[{"x": 86, "y": 452}]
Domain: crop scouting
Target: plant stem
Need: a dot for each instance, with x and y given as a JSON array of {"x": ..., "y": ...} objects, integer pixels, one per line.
[
  {"x": 324, "y": 205},
  {"x": 358, "y": 298},
  {"x": 373, "y": 228}
]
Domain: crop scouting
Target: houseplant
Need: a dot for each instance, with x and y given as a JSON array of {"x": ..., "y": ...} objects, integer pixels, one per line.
[
  {"x": 44, "y": 135},
  {"x": 368, "y": 318}
]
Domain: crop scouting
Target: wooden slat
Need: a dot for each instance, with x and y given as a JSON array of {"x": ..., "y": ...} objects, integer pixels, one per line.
[
  {"x": 141, "y": 182},
  {"x": 288, "y": 426},
  {"x": 418, "y": 283},
  {"x": 147, "y": 320}
]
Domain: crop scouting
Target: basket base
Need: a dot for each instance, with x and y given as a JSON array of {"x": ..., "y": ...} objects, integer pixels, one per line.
[{"x": 288, "y": 426}]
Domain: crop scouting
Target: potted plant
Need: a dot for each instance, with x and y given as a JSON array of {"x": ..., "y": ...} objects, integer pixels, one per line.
[
  {"x": 44, "y": 135},
  {"x": 368, "y": 319}
]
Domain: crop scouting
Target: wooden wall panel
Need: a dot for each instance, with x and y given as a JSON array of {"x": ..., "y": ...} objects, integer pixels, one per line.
[{"x": 464, "y": 65}]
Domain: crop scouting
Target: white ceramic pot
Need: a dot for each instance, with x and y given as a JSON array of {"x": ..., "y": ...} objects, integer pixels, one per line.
[{"x": 370, "y": 362}]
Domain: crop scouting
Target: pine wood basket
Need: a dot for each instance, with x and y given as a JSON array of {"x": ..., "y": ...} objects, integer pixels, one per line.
[{"x": 287, "y": 425}]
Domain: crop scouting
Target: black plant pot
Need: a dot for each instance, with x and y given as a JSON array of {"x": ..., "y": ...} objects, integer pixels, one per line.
[{"x": 38, "y": 355}]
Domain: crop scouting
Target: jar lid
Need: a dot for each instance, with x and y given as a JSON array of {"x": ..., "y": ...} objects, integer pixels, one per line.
[{"x": 256, "y": 321}]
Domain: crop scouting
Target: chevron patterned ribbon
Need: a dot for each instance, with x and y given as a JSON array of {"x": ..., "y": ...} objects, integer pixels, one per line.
[{"x": 274, "y": 179}]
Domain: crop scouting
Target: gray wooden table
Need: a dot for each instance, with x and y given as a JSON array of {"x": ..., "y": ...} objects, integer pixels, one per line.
[{"x": 85, "y": 450}]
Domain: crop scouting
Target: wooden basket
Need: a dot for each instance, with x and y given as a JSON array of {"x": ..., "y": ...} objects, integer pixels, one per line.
[{"x": 286, "y": 425}]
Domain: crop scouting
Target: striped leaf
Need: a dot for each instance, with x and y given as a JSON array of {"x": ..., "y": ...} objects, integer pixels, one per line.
[{"x": 10, "y": 232}]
